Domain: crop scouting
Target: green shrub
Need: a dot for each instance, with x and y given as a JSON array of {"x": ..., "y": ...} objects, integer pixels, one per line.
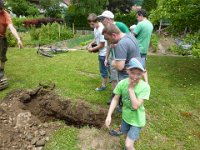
[
  {"x": 51, "y": 32},
  {"x": 128, "y": 19},
  {"x": 154, "y": 42},
  {"x": 179, "y": 50},
  {"x": 196, "y": 50},
  {"x": 194, "y": 39},
  {"x": 11, "y": 39},
  {"x": 34, "y": 33},
  {"x": 85, "y": 43}
]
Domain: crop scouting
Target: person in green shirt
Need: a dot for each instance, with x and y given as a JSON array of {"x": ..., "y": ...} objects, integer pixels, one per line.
[
  {"x": 143, "y": 32},
  {"x": 134, "y": 92}
]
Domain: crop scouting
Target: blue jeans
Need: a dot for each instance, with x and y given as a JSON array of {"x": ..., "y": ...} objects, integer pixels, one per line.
[
  {"x": 131, "y": 131},
  {"x": 103, "y": 69}
]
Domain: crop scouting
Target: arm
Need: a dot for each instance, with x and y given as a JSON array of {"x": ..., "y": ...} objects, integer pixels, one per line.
[
  {"x": 113, "y": 105},
  {"x": 90, "y": 45},
  {"x": 107, "y": 56},
  {"x": 14, "y": 32},
  {"x": 136, "y": 103},
  {"x": 118, "y": 64}
]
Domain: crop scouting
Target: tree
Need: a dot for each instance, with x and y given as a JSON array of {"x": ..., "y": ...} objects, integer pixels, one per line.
[
  {"x": 79, "y": 10},
  {"x": 52, "y": 8},
  {"x": 22, "y": 7},
  {"x": 123, "y": 6},
  {"x": 148, "y": 5},
  {"x": 181, "y": 14}
]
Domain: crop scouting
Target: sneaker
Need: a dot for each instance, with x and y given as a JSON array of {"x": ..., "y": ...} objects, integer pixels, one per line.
[
  {"x": 109, "y": 101},
  {"x": 100, "y": 88},
  {"x": 118, "y": 109},
  {"x": 115, "y": 132}
]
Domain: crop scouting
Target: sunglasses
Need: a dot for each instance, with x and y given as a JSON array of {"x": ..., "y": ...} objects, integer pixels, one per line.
[{"x": 102, "y": 18}]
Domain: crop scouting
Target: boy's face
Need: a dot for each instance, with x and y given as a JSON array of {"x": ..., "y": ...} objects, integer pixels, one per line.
[
  {"x": 93, "y": 24},
  {"x": 135, "y": 74}
]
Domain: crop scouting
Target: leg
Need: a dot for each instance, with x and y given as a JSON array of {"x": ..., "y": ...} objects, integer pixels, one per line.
[
  {"x": 129, "y": 144},
  {"x": 3, "y": 50},
  {"x": 144, "y": 59},
  {"x": 146, "y": 76},
  {"x": 132, "y": 136},
  {"x": 104, "y": 73}
]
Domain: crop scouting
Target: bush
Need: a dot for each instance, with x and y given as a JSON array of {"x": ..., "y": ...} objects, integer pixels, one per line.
[
  {"x": 11, "y": 39},
  {"x": 128, "y": 19},
  {"x": 51, "y": 32},
  {"x": 154, "y": 42}
]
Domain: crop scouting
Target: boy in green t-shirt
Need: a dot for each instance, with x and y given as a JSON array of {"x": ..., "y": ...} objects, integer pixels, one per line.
[{"x": 133, "y": 91}]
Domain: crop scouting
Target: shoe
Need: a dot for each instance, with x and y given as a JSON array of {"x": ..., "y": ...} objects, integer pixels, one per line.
[
  {"x": 118, "y": 109},
  {"x": 1, "y": 73},
  {"x": 115, "y": 132},
  {"x": 109, "y": 101},
  {"x": 100, "y": 88}
]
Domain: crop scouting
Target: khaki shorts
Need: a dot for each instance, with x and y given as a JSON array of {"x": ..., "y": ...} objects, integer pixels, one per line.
[
  {"x": 113, "y": 72},
  {"x": 3, "y": 48}
]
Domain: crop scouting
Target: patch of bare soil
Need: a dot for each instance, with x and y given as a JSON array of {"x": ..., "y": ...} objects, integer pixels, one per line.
[
  {"x": 91, "y": 138},
  {"x": 164, "y": 44},
  {"x": 25, "y": 117}
]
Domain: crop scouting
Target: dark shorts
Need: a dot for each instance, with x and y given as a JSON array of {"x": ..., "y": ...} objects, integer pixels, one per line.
[{"x": 3, "y": 48}]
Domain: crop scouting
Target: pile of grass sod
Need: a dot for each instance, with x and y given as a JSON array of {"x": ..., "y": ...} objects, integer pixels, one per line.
[{"x": 173, "y": 111}]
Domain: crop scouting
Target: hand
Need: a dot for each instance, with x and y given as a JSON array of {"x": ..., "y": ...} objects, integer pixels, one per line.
[
  {"x": 112, "y": 45},
  {"x": 106, "y": 62},
  {"x": 19, "y": 42},
  {"x": 108, "y": 121},
  {"x": 132, "y": 84},
  {"x": 90, "y": 49}
]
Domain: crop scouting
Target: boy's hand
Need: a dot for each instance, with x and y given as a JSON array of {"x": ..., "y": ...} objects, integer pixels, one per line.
[{"x": 108, "y": 121}]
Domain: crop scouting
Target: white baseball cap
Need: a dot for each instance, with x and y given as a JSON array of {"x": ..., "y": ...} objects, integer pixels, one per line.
[{"x": 106, "y": 14}]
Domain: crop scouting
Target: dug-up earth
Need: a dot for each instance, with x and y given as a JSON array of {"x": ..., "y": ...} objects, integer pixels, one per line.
[{"x": 26, "y": 119}]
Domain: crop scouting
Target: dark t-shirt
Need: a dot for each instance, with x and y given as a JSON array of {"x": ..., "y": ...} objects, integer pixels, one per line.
[{"x": 126, "y": 49}]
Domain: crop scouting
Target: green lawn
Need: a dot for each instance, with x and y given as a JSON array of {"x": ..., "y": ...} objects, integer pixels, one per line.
[{"x": 173, "y": 110}]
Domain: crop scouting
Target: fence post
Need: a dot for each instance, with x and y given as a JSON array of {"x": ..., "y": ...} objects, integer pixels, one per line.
[
  {"x": 59, "y": 31},
  {"x": 73, "y": 28}
]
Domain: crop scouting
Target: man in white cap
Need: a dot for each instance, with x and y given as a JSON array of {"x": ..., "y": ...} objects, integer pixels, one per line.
[{"x": 108, "y": 17}]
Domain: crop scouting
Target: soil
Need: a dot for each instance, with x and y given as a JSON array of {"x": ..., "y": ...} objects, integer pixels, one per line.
[{"x": 26, "y": 117}]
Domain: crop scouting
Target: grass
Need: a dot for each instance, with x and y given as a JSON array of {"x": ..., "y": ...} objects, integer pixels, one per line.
[{"x": 173, "y": 111}]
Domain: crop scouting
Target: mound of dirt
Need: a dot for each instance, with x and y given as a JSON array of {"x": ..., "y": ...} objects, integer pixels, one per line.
[{"x": 25, "y": 117}]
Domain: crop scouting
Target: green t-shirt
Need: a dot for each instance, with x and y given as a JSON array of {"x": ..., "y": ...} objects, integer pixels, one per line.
[
  {"x": 123, "y": 28},
  {"x": 143, "y": 32},
  {"x": 131, "y": 116}
]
